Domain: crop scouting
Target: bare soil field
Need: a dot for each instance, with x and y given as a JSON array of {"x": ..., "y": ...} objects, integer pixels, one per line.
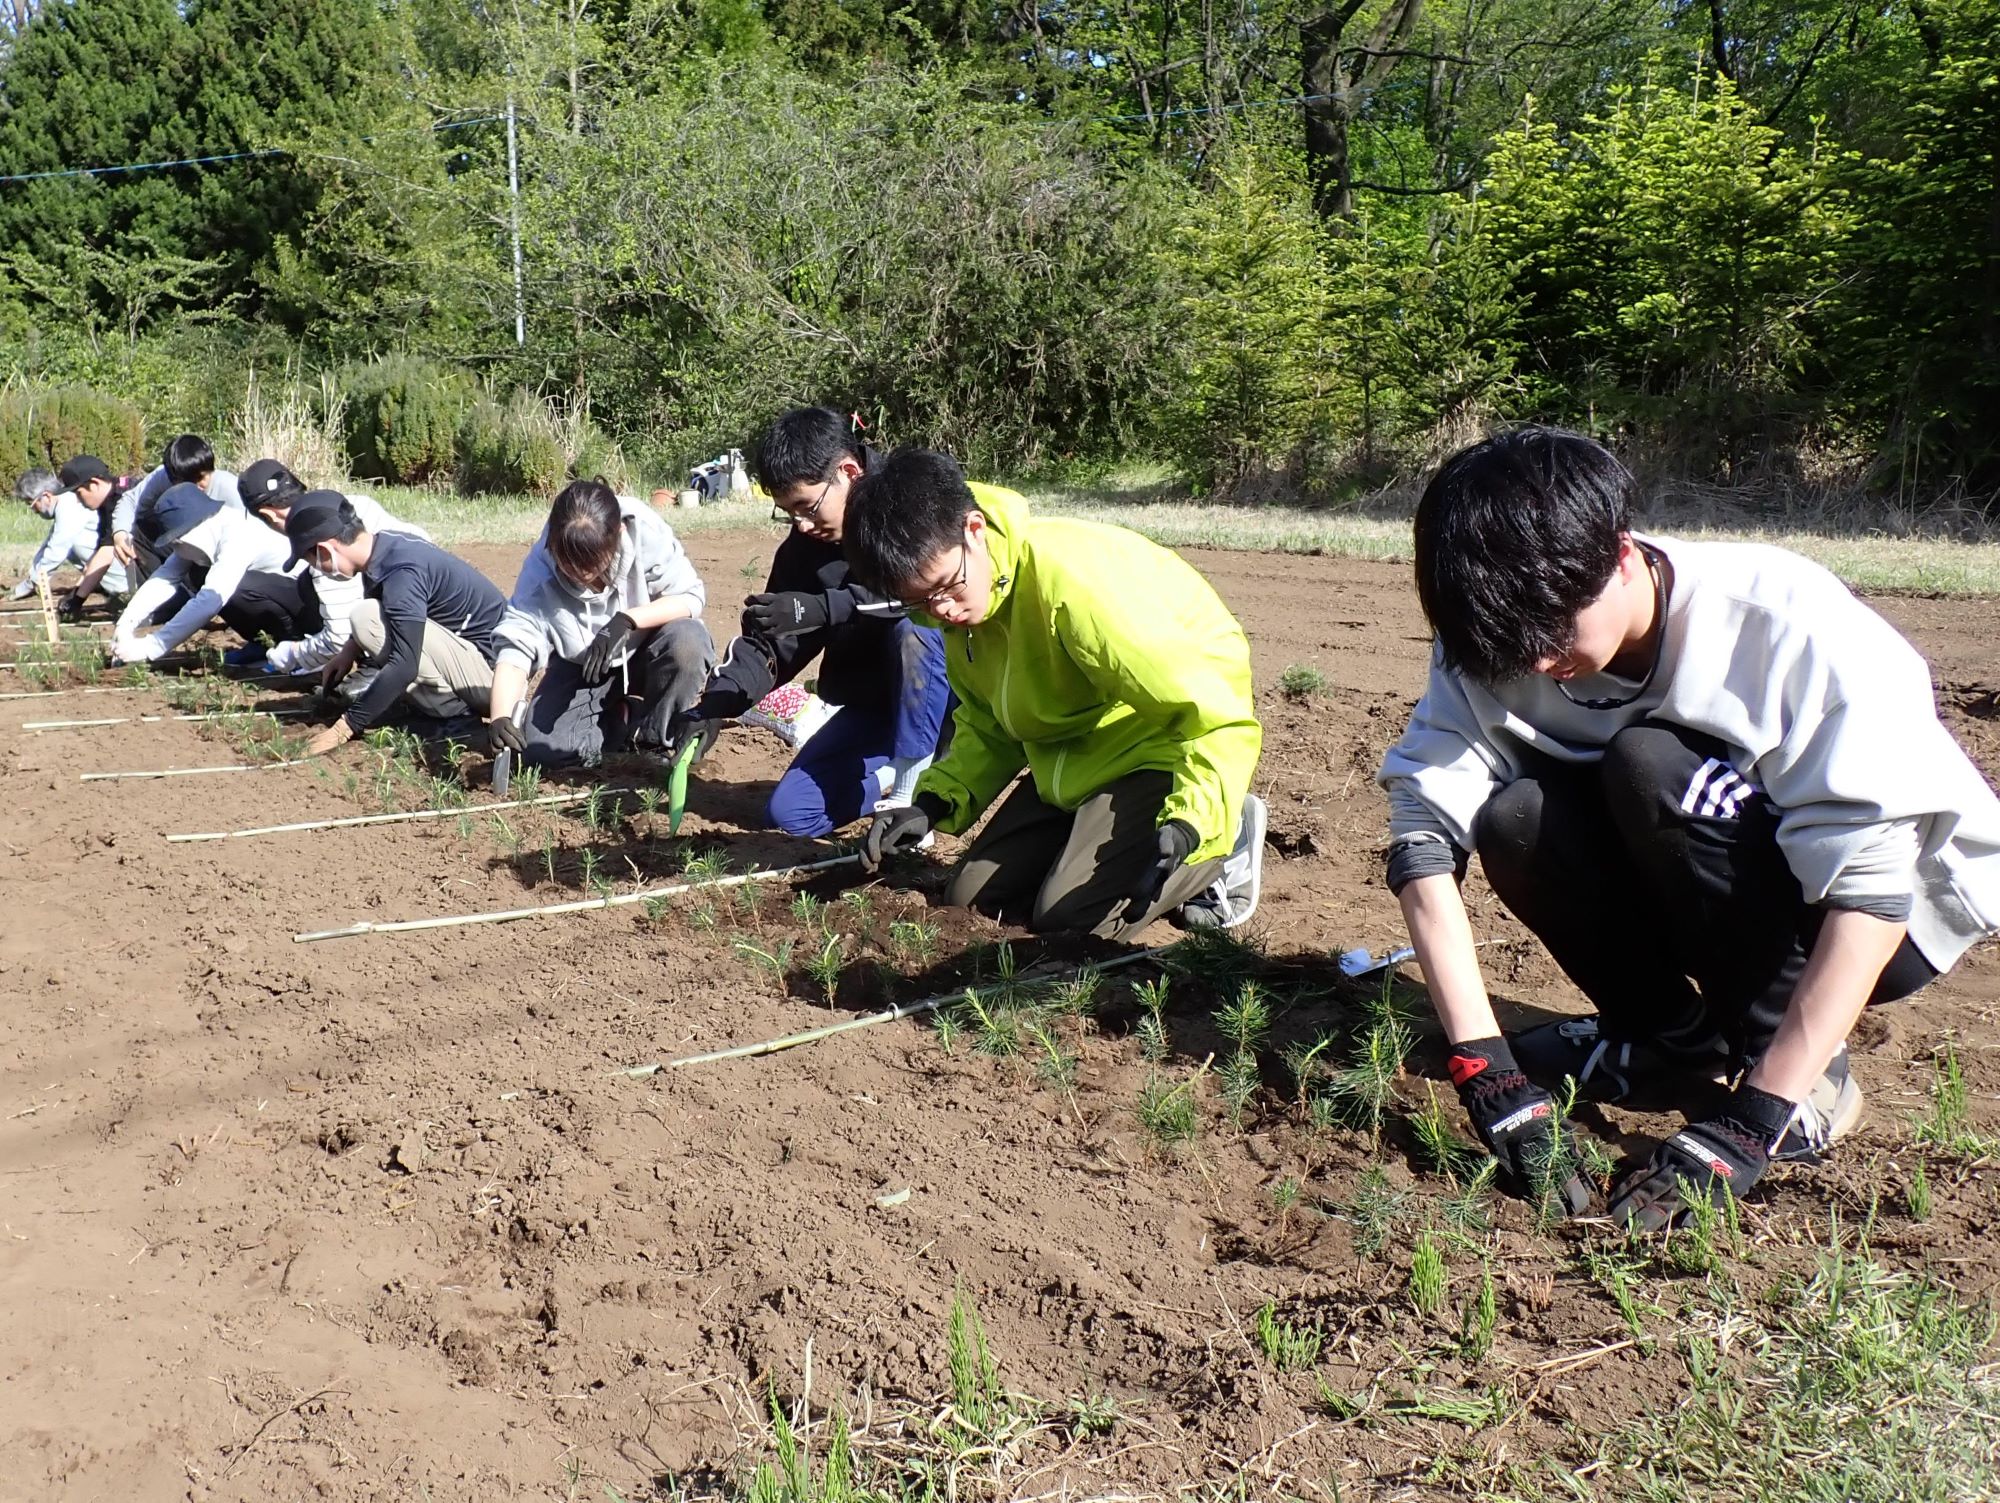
[{"x": 381, "y": 1218}]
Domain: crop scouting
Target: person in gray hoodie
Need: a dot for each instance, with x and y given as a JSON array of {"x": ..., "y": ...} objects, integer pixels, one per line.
[
  {"x": 610, "y": 605},
  {"x": 1710, "y": 780}
]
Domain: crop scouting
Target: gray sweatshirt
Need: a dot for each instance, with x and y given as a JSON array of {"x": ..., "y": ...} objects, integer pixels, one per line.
[
  {"x": 1823, "y": 706},
  {"x": 549, "y": 616}
]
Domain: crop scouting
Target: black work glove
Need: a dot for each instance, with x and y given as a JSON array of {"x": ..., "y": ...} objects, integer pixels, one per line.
[
  {"x": 70, "y": 608},
  {"x": 603, "y": 649},
  {"x": 1176, "y": 840},
  {"x": 503, "y": 733},
  {"x": 691, "y": 727},
  {"x": 1516, "y": 1120},
  {"x": 788, "y": 613},
  {"x": 1725, "y": 1154},
  {"x": 899, "y": 829}
]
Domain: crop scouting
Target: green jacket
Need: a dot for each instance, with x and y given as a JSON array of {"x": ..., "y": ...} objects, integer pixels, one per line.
[{"x": 1102, "y": 654}]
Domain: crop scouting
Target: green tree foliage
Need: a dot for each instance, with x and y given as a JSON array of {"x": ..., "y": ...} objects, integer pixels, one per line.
[
  {"x": 45, "y": 429},
  {"x": 402, "y": 418}
]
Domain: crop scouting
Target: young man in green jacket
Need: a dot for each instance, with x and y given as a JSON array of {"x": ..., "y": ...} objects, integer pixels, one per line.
[{"x": 1106, "y": 667}]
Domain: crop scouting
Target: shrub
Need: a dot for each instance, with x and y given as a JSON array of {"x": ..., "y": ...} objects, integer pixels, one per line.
[
  {"x": 402, "y": 418},
  {"x": 515, "y": 449},
  {"x": 43, "y": 427}
]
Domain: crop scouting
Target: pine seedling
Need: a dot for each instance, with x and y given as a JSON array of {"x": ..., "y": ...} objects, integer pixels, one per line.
[
  {"x": 587, "y": 861},
  {"x": 702, "y": 916},
  {"x": 1427, "y": 1277},
  {"x": 657, "y": 908},
  {"x": 945, "y": 1024},
  {"x": 1482, "y": 1318},
  {"x": 996, "y": 1026},
  {"x": 649, "y": 800},
  {"x": 1375, "y": 1211},
  {"x": 1076, "y": 996},
  {"x": 1618, "y": 1273},
  {"x": 465, "y": 827},
  {"x": 1287, "y": 1345},
  {"x": 913, "y": 940},
  {"x": 1439, "y": 1146},
  {"x": 1367, "y": 1088},
  {"x": 1307, "y": 1062},
  {"x": 593, "y": 808},
  {"x": 749, "y": 900},
  {"x": 826, "y": 965},
  {"x": 508, "y": 838},
  {"x": 809, "y": 911},
  {"x": 705, "y": 867},
  {"x": 1246, "y": 1019},
  {"x": 860, "y": 905},
  {"x": 549, "y": 854},
  {"x": 1219, "y": 960},
  {"x": 527, "y": 783},
  {"x": 1286, "y": 1196},
  {"x": 1302, "y": 681},
  {"x": 138, "y": 676},
  {"x": 1055, "y": 1063},
  {"x": 1167, "y": 1110},
  {"x": 1691, "y": 1241},
  {"x": 1462, "y": 1211},
  {"x": 1919, "y": 1194},
  {"x": 775, "y": 961},
  {"x": 1237, "y": 1083},
  {"x": 1152, "y": 1029}
]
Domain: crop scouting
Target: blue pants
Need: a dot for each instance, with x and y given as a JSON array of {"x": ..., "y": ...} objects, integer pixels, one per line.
[{"x": 832, "y": 780}]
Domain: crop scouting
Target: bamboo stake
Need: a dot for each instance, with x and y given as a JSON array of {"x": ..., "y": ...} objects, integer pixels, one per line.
[
  {"x": 384, "y": 819},
  {"x": 189, "y": 772},
  {"x": 281, "y": 713},
  {"x": 890, "y": 1015},
  {"x": 48, "y": 611},
  {"x": 52, "y": 693},
  {"x": 582, "y": 905}
]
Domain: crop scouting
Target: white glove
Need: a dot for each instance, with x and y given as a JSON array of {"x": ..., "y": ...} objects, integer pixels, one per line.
[{"x": 138, "y": 649}]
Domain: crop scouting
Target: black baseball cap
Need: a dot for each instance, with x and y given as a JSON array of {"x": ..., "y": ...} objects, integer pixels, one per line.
[
  {"x": 266, "y": 482},
  {"x": 180, "y": 509},
  {"x": 317, "y": 516},
  {"x": 82, "y": 470}
]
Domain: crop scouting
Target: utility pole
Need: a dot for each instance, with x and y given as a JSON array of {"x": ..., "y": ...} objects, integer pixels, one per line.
[{"x": 514, "y": 214}]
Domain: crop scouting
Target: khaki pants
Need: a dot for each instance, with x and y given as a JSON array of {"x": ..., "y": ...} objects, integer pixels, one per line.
[
  {"x": 453, "y": 676},
  {"x": 1074, "y": 871}
]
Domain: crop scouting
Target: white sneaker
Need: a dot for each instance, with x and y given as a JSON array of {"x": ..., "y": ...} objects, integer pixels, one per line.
[
  {"x": 1831, "y": 1110},
  {"x": 1232, "y": 898}
]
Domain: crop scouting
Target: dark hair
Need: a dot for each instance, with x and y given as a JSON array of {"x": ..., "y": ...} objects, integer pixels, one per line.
[
  {"x": 584, "y": 527},
  {"x": 188, "y": 458},
  {"x": 803, "y": 448},
  {"x": 1514, "y": 536},
  {"x": 35, "y": 484},
  {"x": 351, "y": 525},
  {"x": 902, "y": 514}
]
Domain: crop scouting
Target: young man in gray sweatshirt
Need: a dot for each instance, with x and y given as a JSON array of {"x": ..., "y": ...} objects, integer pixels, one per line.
[{"x": 1714, "y": 784}]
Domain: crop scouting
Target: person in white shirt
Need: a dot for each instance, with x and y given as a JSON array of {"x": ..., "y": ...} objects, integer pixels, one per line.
[
  {"x": 269, "y": 491},
  {"x": 73, "y": 528},
  {"x": 1711, "y": 781},
  {"x": 227, "y": 565}
]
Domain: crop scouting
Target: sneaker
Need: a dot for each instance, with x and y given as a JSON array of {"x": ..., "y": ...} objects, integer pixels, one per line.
[
  {"x": 1608, "y": 1069},
  {"x": 1831, "y": 1110},
  {"x": 1232, "y": 898}
]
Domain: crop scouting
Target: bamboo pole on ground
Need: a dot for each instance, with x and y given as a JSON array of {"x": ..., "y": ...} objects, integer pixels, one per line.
[
  {"x": 887, "y": 1015},
  {"x": 581, "y": 905},
  {"x": 384, "y": 819},
  {"x": 190, "y": 772},
  {"x": 283, "y": 712}
]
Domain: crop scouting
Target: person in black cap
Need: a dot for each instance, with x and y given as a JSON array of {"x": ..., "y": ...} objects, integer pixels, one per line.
[
  {"x": 97, "y": 490},
  {"x": 269, "y": 492},
  {"x": 231, "y": 566},
  {"x": 426, "y": 623},
  {"x": 72, "y": 535}
]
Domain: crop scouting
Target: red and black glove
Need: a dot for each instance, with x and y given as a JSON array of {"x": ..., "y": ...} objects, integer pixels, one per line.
[
  {"x": 1728, "y": 1152},
  {"x": 1516, "y": 1120}
]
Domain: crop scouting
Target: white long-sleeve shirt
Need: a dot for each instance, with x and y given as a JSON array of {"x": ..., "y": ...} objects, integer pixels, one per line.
[
  {"x": 231, "y": 543},
  {"x": 337, "y": 600},
  {"x": 1822, "y": 704},
  {"x": 72, "y": 539},
  {"x": 550, "y": 617}
]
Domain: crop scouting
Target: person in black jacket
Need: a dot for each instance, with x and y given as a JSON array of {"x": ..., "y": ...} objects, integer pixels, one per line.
[{"x": 884, "y": 672}]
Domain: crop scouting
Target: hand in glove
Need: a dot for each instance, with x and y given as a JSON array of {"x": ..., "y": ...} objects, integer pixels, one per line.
[
  {"x": 1516, "y": 1120},
  {"x": 246, "y": 656},
  {"x": 503, "y": 733},
  {"x": 602, "y": 654},
  {"x": 138, "y": 650},
  {"x": 1726, "y": 1154},
  {"x": 691, "y": 727},
  {"x": 1176, "y": 839},
  {"x": 899, "y": 829},
  {"x": 786, "y": 614},
  {"x": 70, "y": 607}
]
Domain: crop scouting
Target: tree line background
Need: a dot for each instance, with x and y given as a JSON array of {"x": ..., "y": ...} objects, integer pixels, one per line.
[{"x": 1291, "y": 248}]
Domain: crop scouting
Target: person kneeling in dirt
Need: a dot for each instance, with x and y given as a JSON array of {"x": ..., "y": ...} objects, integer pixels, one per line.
[
  {"x": 1711, "y": 780},
  {"x": 883, "y": 672},
  {"x": 1102, "y": 663},
  {"x": 90, "y": 481},
  {"x": 219, "y": 563},
  {"x": 189, "y": 459},
  {"x": 269, "y": 492},
  {"x": 610, "y": 602},
  {"x": 71, "y": 507},
  {"x": 428, "y": 623}
]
